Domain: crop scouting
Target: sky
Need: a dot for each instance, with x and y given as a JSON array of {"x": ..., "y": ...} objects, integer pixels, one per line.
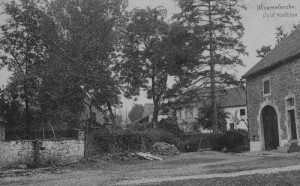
[{"x": 260, "y": 27}]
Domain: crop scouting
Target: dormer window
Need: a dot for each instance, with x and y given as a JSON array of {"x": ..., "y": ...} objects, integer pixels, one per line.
[{"x": 267, "y": 86}]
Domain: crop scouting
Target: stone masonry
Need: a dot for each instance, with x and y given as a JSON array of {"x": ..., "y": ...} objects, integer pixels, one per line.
[
  {"x": 284, "y": 80},
  {"x": 22, "y": 152}
]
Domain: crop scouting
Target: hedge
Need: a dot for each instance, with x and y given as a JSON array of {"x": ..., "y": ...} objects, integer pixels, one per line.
[
  {"x": 233, "y": 140},
  {"x": 131, "y": 141}
]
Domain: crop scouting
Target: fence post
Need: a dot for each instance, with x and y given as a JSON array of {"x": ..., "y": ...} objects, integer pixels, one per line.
[{"x": 36, "y": 153}]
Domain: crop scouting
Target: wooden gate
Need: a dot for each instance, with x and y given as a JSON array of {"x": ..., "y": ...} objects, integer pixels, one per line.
[{"x": 270, "y": 126}]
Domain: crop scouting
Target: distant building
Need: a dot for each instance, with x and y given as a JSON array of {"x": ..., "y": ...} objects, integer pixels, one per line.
[
  {"x": 233, "y": 101},
  {"x": 148, "y": 114}
]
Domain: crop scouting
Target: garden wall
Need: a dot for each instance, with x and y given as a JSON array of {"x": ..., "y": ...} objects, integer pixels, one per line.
[{"x": 49, "y": 152}]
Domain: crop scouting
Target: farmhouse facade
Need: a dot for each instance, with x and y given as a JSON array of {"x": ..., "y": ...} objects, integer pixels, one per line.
[
  {"x": 232, "y": 100},
  {"x": 273, "y": 97}
]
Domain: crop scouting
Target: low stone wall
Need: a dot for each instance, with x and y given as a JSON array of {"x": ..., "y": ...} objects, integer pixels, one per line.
[
  {"x": 62, "y": 151},
  {"x": 50, "y": 152},
  {"x": 15, "y": 152}
]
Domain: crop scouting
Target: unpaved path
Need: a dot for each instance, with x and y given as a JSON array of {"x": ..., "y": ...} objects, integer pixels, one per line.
[
  {"x": 183, "y": 166},
  {"x": 207, "y": 176}
]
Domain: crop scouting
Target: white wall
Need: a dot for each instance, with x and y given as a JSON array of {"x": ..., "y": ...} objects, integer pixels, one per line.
[
  {"x": 185, "y": 118},
  {"x": 233, "y": 112}
]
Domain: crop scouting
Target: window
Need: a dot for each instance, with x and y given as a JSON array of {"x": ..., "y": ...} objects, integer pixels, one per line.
[
  {"x": 231, "y": 126},
  {"x": 267, "y": 87},
  {"x": 242, "y": 112},
  {"x": 290, "y": 102}
]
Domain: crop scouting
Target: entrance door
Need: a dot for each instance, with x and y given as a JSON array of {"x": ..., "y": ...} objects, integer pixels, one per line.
[
  {"x": 270, "y": 126},
  {"x": 293, "y": 124}
]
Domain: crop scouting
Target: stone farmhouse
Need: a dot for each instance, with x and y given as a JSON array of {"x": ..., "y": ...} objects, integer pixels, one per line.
[
  {"x": 233, "y": 101},
  {"x": 273, "y": 97}
]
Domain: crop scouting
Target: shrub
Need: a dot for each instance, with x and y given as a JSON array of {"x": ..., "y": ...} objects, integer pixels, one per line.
[
  {"x": 245, "y": 133},
  {"x": 169, "y": 125},
  {"x": 233, "y": 139},
  {"x": 216, "y": 141},
  {"x": 189, "y": 145},
  {"x": 140, "y": 126},
  {"x": 194, "y": 142},
  {"x": 102, "y": 140},
  {"x": 157, "y": 135},
  {"x": 123, "y": 141}
]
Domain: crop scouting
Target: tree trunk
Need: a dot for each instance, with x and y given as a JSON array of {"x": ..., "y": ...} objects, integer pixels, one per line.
[
  {"x": 155, "y": 115},
  {"x": 112, "y": 116},
  {"x": 90, "y": 122},
  {"x": 212, "y": 75}
]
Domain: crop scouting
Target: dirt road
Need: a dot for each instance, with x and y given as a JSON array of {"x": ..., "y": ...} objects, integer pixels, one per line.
[{"x": 185, "y": 166}]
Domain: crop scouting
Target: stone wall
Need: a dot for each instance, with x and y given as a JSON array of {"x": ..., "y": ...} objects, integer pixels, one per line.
[
  {"x": 284, "y": 80},
  {"x": 22, "y": 152},
  {"x": 15, "y": 152}
]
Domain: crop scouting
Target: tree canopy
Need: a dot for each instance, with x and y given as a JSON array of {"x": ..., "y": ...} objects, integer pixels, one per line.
[{"x": 59, "y": 53}]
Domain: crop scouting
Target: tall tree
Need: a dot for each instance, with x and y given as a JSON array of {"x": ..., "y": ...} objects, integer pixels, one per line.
[
  {"x": 61, "y": 51},
  {"x": 23, "y": 52},
  {"x": 145, "y": 65},
  {"x": 91, "y": 32},
  {"x": 218, "y": 24}
]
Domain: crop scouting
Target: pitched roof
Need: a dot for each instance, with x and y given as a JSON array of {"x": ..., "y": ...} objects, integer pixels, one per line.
[
  {"x": 232, "y": 97},
  {"x": 288, "y": 48}
]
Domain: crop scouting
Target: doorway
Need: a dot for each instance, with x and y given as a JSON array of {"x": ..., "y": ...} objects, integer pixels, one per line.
[{"x": 270, "y": 128}]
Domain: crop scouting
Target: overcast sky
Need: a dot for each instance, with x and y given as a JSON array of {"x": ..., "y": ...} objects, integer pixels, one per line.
[{"x": 259, "y": 30}]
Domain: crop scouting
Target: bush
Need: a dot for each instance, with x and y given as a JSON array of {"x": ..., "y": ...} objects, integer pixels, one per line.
[
  {"x": 169, "y": 125},
  {"x": 102, "y": 140},
  {"x": 194, "y": 142},
  {"x": 140, "y": 126},
  {"x": 189, "y": 145},
  {"x": 216, "y": 141},
  {"x": 132, "y": 141},
  {"x": 157, "y": 135},
  {"x": 233, "y": 139}
]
